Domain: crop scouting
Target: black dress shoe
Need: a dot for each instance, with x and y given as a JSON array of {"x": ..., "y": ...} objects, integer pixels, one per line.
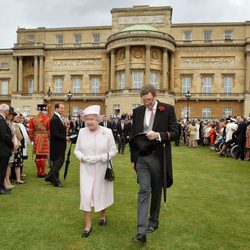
[
  {"x": 140, "y": 238},
  {"x": 102, "y": 222},
  {"x": 86, "y": 233},
  {"x": 151, "y": 229},
  {"x": 3, "y": 192}
]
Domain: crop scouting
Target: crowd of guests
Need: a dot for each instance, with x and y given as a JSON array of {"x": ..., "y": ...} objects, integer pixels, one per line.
[{"x": 218, "y": 135}]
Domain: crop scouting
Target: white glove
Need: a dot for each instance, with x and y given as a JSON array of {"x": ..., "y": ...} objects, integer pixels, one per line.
[{"x": 92, "y": 159}]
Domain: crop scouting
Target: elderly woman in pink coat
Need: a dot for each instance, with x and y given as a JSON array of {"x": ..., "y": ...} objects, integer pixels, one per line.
[{"x": 93, "y": 147}]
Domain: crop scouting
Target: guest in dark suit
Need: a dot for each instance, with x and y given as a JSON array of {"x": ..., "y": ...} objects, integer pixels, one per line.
[
  {"x": 58, "y": 142},
  {"x": 123, "y": 133},
  {"x": 6, "y": 145},
  {"x": 158, "y": 121},
  {"x": 105, "y": 122}
]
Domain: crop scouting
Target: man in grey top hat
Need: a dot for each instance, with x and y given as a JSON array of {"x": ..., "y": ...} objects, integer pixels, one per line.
[{"x": 158, "y": 121}]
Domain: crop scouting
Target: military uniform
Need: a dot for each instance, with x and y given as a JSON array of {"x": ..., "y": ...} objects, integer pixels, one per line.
[{"x": 39, "y": 135}]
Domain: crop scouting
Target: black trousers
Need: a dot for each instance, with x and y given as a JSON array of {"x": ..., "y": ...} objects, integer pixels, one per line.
[
  {"x": 3, "y": 168},
  {"x": 55, "y": 167}
]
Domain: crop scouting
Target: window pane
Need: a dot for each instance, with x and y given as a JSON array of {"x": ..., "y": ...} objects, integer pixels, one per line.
[
  {"x": 95, "y": 85},
  {"x": 58, "y": 85},
  {"x": 4, "y": 90},
  {"x": 31, "y": 86},
  {"x": 227, "y": 112},
  {"x": 116, "y": 108},
  {"x": 228, "y": 85},
  {"x": 154, "y": 79},
  {"x": 186, "y": 84},
  {"x": 75, "y": 111},
  {"x": 76, "y": 85},
  {"x": 78, "y": 39},
  {"x": 122, "y": 80},
  {"x": 228, "y": 35},
  {"x": 96, "y": 38},
  {"x": 206, "y": 113},
  {"x": 207, "y": 35},
  {"x": 187, "y": 35},
  {"x": 59, "y": 39},
  {"x": 207, "y": 85},
  {"x": 137, "y": 79}
]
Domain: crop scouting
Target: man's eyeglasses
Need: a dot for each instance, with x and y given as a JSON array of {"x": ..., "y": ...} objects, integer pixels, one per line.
[{"x": 149, "y": 100}]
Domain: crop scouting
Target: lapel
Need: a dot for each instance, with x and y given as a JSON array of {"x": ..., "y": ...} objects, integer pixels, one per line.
[
  {"x": 157, "y": 119},
  {"x": 141, "y": 118}
]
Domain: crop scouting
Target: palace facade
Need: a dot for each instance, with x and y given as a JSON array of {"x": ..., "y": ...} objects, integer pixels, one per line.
[{"x": 201, "y": 68}]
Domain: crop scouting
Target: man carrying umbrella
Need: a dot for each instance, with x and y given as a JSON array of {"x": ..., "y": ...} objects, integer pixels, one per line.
[
  {"x": 58, "y": 143},
  {"x": 154, "y": 126}
]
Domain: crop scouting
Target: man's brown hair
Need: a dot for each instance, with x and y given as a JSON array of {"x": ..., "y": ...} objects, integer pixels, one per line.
[{"x": 148, "y": 88}]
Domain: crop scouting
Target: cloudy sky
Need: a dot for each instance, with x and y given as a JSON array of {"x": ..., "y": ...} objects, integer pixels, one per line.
[{"x": 77, "y": 13}]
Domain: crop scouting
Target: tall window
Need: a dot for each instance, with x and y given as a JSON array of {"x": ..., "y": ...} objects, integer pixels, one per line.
[
  {"x": 137, "y": 83},
  {"x": 31, "y": 38},
  {"x": 121, "y": 80},
  {"x": 227, "y": 112},
  {"x": 207, "y": 85},
  {"x": 96, "y": 38},
  {"x": 77, "y": 39},
  {"x": 228, "y": 85},
  {"x": 4, "y": 66},
  {"x": 187, "y": 35},
  {"x": 206, "y": 113},
  {"x": 95, "y": 85},
  {"x": 228, "y": 35},
  {"x": 185, "y": 112},
  {"x": 4, "y": 87},
  {"x": 207, "y": 35},
  {"x": 186, "y": 84},
  {"x": 59, "y": 39},
  {"x": 31, "y": 85},
  {"x": 154, "y": 79},
  {"x": 58, "y": 86},
  {"x": 76, "y": 85},
  {"x": 75, "y": 111},
  {"x": 116, "y": 108}
]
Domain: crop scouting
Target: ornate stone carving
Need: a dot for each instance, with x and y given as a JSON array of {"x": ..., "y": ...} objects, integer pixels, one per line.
[
  {"x": 76, "y": 62},
  {"x": 154, "y": 54},
  {"x": 208, "y": 60},
  {"x": 137, "y": 53},
  {"x": 141, "y": 19}
]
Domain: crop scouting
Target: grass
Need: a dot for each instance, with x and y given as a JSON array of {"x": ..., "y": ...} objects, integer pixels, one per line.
[{"x": 208, "y": 208}]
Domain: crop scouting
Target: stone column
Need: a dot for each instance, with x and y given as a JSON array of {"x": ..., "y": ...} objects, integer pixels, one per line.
[
  {"x": 41, "y": 83},
  {"x": 247, "y": 83},
  {"x": 165, "y": 66},
  {"x": 147, "y": 73},
  {"x": 108, "y": 71},
  {"x": 20, "y": 74},
  {"x": 35, "y": 73},
  {"x": 171, "y": 87},
  {"x": 112, "y": 70},
  {"x": 127, "y": 68},
  {"x": 14, "y": 81}
]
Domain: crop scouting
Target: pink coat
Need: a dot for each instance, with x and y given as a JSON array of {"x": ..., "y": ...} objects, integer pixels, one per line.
[{"x": 94, "y": 190}]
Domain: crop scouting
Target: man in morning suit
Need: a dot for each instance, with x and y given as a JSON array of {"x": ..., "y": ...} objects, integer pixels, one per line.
[
  {"x": 58, "y": 142},
  {"x": 123, "y": 133},
  {"x": 6, "y": 145},
  {"x": 158, "y": 121}
]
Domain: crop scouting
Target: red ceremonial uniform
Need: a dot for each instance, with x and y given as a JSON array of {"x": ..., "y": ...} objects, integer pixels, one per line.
[{"x": 39, "y": 135}]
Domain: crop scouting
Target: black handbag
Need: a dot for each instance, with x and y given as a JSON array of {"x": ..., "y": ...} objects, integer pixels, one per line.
[{"x": 109, "y": 175}]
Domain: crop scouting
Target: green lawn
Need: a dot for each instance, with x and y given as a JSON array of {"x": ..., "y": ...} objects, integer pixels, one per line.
[{"x": 208, "y": 208}]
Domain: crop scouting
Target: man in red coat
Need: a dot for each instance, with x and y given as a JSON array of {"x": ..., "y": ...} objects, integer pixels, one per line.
[{"x": 39, "y": 135}]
